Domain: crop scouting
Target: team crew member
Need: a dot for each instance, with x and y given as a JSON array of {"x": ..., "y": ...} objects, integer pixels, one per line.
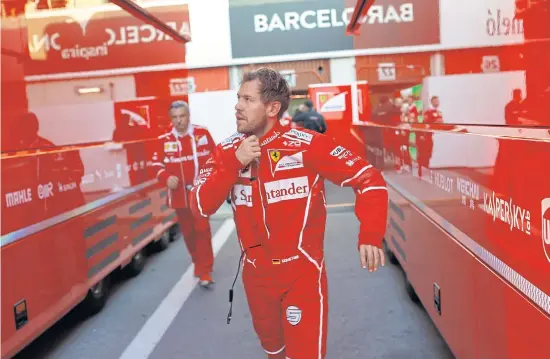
[
  {"x": 310, "y": 119},
  {"x": 433, "y": 113},
  {"x": 424, "y": 142},
  {"x": 276, "y": 177},
  {"x": 177, "y": 159}
]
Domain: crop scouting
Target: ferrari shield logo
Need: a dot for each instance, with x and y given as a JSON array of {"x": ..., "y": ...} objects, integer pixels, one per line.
[
  {"x": 331, "y": 101},
  {"x": 275, "y": 155},
  {"x": 323, "y": 97},
  {"x": 285, "y": 159},
  {"x": 293, "y": 315}
]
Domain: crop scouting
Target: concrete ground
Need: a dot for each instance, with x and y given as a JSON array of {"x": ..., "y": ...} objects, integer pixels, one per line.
[{"x": 371, "y": 316}]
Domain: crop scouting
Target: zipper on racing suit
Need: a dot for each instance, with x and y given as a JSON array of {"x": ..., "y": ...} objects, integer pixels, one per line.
[
  {"x": 195, "y": 162},
  {"x": 254, "y": 176}
]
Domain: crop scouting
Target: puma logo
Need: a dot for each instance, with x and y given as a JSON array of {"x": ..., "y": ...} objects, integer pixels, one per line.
[{"x": 252, "y": 262}]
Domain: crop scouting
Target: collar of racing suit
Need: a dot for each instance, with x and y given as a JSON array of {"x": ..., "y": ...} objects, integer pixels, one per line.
[
  {"x": 277, "y": 129},
  {"x": 189, "y": 132}
]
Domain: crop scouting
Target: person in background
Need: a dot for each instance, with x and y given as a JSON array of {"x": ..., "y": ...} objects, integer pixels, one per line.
[
  {"x": 385, "y": 112},
  {"x": 398, "y": 103},
  {"x": 424, "y": 145},
  {"x": 177, "y": 160},
  {"x": 58, "y": 169},
  {"x": 276, "y": 175},
  {"x": 433, "y": 113},
  {"x": 514, "y": 109},
  {"x": 411, "y": 112},
  {"x": 403, "y": 108},
  {"x": 310, "y": 119}
]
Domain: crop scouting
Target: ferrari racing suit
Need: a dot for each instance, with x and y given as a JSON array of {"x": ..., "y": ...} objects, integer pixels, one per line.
[
  {"x": 280, "y": 214},
  {"x": 182, "y": 155}
]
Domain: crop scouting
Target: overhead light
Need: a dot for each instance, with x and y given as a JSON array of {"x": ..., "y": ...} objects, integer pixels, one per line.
[{"x": 89, "y": 90}]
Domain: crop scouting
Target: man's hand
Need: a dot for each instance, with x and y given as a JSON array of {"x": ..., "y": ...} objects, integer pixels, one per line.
[
  {"x": 248, "y": 150},
  {"x": 172, "y": 182},
  {"x": 372, "y": 256}
]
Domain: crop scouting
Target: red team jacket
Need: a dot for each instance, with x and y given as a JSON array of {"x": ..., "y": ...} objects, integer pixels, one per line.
[
  {"x": 279, "y": 201},
  {"x": 182, "y": 156},
  {"x": 433, "y": 115}
]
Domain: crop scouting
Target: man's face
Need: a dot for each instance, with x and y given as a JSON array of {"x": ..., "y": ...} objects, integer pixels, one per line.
[
  {"x": 28, "y": 132},
  {"x": 435, "y": 102},
  {"x": 398, "y": 102},
  {"x": 250, "y": 111},
  {"x": 180, "y": 119},
  {"x": 303, "y": 108}
]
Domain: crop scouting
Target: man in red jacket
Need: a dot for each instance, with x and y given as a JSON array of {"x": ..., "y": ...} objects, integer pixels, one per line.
[
  {"x": 424, "y": 144},
  {"x": 276, "y": 177},
  {"x": 177, "y": 159}
]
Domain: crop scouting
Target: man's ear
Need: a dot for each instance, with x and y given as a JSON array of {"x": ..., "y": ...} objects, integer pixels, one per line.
[{"x": 273, "y": 109}]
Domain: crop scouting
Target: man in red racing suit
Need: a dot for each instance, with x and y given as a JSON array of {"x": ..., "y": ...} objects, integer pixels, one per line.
[
  {"x": 276, "y": 177},
  {"x": 177, "y": 158}
]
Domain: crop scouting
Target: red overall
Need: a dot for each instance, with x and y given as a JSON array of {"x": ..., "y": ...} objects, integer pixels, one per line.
[
  {"x": 280, "y": 215},
  {"x": 182, "y": 156}
]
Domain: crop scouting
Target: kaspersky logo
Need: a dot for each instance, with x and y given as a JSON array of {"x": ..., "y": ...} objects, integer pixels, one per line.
[{"x": 546, "y": 227}]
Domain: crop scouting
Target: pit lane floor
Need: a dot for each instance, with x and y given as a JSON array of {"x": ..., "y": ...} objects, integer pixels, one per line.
[{"x": 371, "y": 316}]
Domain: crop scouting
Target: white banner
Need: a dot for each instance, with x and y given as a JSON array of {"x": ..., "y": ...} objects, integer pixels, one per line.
[
  {"x": 210, "y": 38},
  {"x": 474, "y": 23}
]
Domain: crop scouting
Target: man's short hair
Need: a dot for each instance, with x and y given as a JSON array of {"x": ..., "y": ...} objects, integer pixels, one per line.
[
  {"x": 273, "y": 87},
  {"x": 309, "y": 104},
  {"x": 29, "y": 122},
  {"x": 179, "y": 104}
]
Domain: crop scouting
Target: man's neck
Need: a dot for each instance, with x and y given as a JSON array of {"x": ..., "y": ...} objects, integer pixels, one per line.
[{"x": 268, "y": 126}]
